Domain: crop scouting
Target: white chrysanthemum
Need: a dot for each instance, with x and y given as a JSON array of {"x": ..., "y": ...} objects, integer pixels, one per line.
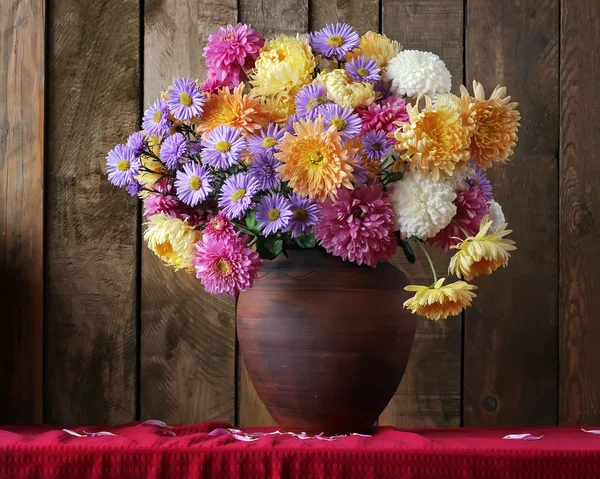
[
  {"x": 423, "y": 207},
  {"x": 459, "y": 179},
  {"x": 496, "y": 216},
  {"x": 415, "y": 74}
]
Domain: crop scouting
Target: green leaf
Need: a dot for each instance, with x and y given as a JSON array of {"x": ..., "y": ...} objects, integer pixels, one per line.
[
  {"x": 269, "y": 247},
  {"x": 306, "y": 241},
  {"x": 251, "y": 222},
  {"x": 406, "y": 247}
]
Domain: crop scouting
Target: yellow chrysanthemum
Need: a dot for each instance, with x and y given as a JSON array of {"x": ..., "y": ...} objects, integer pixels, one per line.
[
  {"x": 495, "y": 123},
  {"x": 152, "y": 169},
  {"x": 435, "y": 141},
  {"x": 344, "y": 92},
  {"x": 172, "y": 240},
  {"x": 279, "y": 107},
  {"x": 482, "y": 254},
  {"x": 439, "y": 301},
  {"x": 314, "y": 161},
  {"x": 284, "y": 65},
  {"x": 378, "y": 47},
  {"x": 233, "y": 108}
]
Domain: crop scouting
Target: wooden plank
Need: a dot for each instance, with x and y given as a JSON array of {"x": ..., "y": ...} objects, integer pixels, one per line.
[
  {"x": 21, "y": 200},
  {"x": 429, "y": 395},
  {"x": 511, "y": 357},
  {"x": 188, "y": 335},
  {"x": 91, "y": 226},
  {"x": 579, "y": 302},
  {"x": 363, "y": 15}
]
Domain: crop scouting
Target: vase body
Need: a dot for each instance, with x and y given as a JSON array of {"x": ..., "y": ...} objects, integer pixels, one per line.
[{"x": 325, "y": 341}]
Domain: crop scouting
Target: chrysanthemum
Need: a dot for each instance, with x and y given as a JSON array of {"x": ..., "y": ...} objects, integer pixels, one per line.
[
  {"x": 185, "y": 99},
  {"x": 495, "y": 124},
  {"x": 415, "y": 74},
  {"x": 376, "y": 144},
  {"x": 311, "y": 99},
  {"x": 315, "y": 162},
  {"x": 438, "y": 301},
  {"x": 122, "y": 165},
  {"x": 172, "y": 240},
  {"x": 305, "y": 215},
  {"x": 358, "y": 225},
  {"x": 481, "y": 179},
  {"x": 376, "y": 46},
  {"x": 496, "y": 216},
  {"x": 264, "y": 170},
  {"x": 225, "y": 266},
  {"x": 153, "y": 171},
  {"x": 136, "y": 143},
  {"x": 344, "y": 120},
  {"x": 266, "y": 140},
  {"x": 238, "y": 45},
  {"x": 156, "y": 119},
  {"x": 220, "y": 228},
  {"x": 423, "y": 207},
  {"x": 223, "y": 147},
  {"x": 383, "y": 116},
  {"x": 273, "y": 214},
  {"x": 334, "y": 41},
  {"x": 435, "y": 141},
  {"x": 482, "y": 254},
  {"x": 173, "y": 149},
  {"x": 341, "y": 90},
  {"x": 219, "y": 78},
  {"x": 278, "y": 107},
  {"x": 237, "y": 194},
  {"x": 162, "y": 201},
  {"x": 363, "y": 69},
  {"x": 193, "y": 183}
]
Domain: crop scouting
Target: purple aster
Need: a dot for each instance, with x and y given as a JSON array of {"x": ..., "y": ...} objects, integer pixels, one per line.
[
  {"x": 289, "y": 126},
  {"x": 264, "y": 170},
  {"x": 480, "y": 179},
  {"x": 185, "y": 99},
  {"x": 384, "y": 88},
  {"x": 334, "y": 41},
  {"x": 156, "y": 119},
  {"x": 193, "y": 184},
  {"x": 134, "y": 187},
  {"x": 195, "y": 147},
  {"x": 360, "y": 172},
  {"x": 136, "y": 143},
  {"x": 274, "y": 213},
  {"x": 377, "y": 145},
  {"x": 223, "y": 147},
  {"x": 305, "y": 214},
  {"x": 345, "y": 121},
  {"x": 122, "y": 165},
  {"x": 363, "y": 69},
  {"x": 173, "y": 149},
  {"x": 310, "y": 99},
  {"x": 266, "y": 140},
  {"x": 236, "y": 195}
]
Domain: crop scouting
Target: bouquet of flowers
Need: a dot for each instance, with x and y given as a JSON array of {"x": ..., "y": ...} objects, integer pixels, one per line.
[{"x": 327, "y": 140}]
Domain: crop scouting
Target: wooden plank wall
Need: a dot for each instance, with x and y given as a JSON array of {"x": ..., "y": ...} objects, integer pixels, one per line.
[{"x": 96, "y": 330}]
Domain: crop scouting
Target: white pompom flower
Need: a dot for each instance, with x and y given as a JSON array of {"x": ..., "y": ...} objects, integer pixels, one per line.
[
  {"x": 415, "y": 74},
  {"x": 496, "y": 216},
  {"x": 423, "y": 207}
]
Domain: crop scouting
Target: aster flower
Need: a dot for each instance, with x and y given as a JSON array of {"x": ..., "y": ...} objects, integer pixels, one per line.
[
  {"x": 305, "y": 215},
  {"x": 383, "y": 89},
  {"x": 361, "y": 171},
  {"x": 185, "y": 99},
  {"x": 264, "y": 170},
  {"x": 334, "y": 41},
  {"x": 461, "y": 179},
  {"x": 122, "y": 165},
  {"x": 237, "y": 194},
  {"x": 314, "y": 161},
  {"x": 274, "y": 213},
  {"x": 438, "y": 301},
  {"x": 193, "y": 183},
  {"x": 227, "y": 266},
  {"x": 423, "y": 207},
  {"x": 376, "y": 144},
  {"x": 358, "y": 225},
  {"x": 480, "y": 179},
  {"x": 266, "y": 139},
  {"x": 173, "y": 149},
  {"x": 289, "y": 126},
  {"x": 136, "y": 143},
  {"x": 376, "y": 46},
  {"x": 237, "y": 45},
  {"x": 384, "y": 116},
  {"x": 363, "y": 69},
  {"x": 223, "y": 147},
  {"x": 311, "y": 99},
  {"x": 344, "y": 92},
  {"x": 482, "y": 254},
  {"x": 496, "y": 216},
  {"x": 220, "y": 228},
  {"x": 415, "y": 74},
  {"x": 156, "y": 119},
  {"x": 344, "y": 120},
  {"x": 134, "y": 187}
]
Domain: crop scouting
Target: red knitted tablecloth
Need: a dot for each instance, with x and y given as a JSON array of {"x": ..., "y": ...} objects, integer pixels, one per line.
[{"x": 189, "y": 452}]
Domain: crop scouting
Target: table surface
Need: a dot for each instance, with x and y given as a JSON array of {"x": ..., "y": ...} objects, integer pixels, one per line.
[{"x": 150, "y": 451}]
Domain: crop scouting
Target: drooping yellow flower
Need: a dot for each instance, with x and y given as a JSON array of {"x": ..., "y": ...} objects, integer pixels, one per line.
[
  {"x": 376, "y": 46},
  {"x": 314, "y": 161},
  {"x": 343, "y": 91},
  {"x": 435, "y": 141},
  {"x": 157, "y": 170},
  {"x": 482, "y": 254},
  {"x": 439, "y": 301},
  {"x": 172, "y": 240},
  {"x": 495, "y": 123}
]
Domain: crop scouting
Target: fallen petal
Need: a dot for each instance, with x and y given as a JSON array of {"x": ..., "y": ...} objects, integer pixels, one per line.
[
  {"x": 73, "y": 433},
  {"x": 524, "y": 437},
  {"x": 153, "y": 422},
  {"x": 592, "y": 431}
]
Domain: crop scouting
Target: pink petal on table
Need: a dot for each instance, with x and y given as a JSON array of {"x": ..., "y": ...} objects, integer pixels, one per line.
[
  {"x": 154, "y": 422},
  {"x": 244, "y": 437},
  {"x": 99, "y": 433},
  {"x": 169, "y": 433},
  {"x": 73, "y": 433},
  {"x": 523, "y": 437},
  {"x": 219, "y": 432},
  {"x": 592, "y": 431}
]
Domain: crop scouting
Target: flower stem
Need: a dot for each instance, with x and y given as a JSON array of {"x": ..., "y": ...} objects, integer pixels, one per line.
[
  {"x": 461, "y": 229},
  {"x": 431, "y": 265}
]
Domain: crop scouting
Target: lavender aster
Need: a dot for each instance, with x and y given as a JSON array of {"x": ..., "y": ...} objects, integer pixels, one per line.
[
  {"x": 274, "y": 213},
  {"x": 122, "y": 165},
  {"x": 334, "y": 41},
  {"x": 480, "y": 179},
  {"x": 136, "y": 143},
  {"x": 345, "y": 121},
  {"x": 134, "y": 187},
  {"x": 236, "y": 195},
  {"x": 363, "y": 69},
  {"x": 185, "y": 99},
  {"x": 377, "y": 145},
  {"x": 310, "y": 99},
  {"x": 305, "y": 214},
  {"x": 266, "y": 140},
  {"x": 289, "y": 126},
  {"x": 360, "y": 172},
  {"x": 383, "y": 89},
  {"x": 173, "y": 149},
  {"x": 156, "y": 119},
  {"x": 264, "y": 170},
  {"x": 223, "y": 147},
  {"x": 193, "y": 184}
]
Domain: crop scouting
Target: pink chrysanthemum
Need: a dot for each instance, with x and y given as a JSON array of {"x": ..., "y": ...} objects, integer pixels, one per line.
[
  {"x": 471, "y": 207},
  {"x": 358, "y": 225},
  {"x": 381, "y": 116},
  {"x": 233, "y": 45},
  {"x": 220, "y": 228},
  {"x": 230, "y": 77},
  {"x": 165, "y": 201},
  {"x": 227, "y": 266}
]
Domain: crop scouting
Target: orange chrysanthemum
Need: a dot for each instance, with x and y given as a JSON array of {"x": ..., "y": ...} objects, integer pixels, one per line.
[
  {"x": 438, "y": 301},
  {"x": 435, "y": 141},
  {"x": 233, "y": 108},
  {"x": 494, "y": 123},
  {"x": 314, "y": 161}
]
